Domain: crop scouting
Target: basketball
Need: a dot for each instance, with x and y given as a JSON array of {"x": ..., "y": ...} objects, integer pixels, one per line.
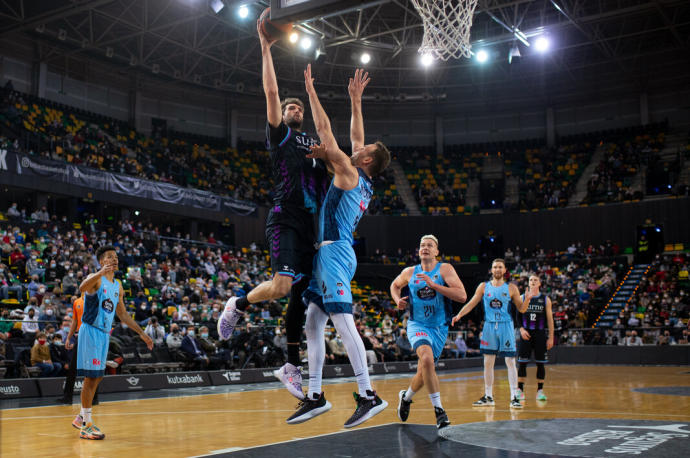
[{"x": 271, "y": 29}]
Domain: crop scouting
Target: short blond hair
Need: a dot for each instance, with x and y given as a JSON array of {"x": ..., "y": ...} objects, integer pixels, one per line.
[{"x": 430, "y": 237}]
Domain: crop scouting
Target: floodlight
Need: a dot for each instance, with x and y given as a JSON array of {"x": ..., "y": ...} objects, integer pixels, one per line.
[
  {"x": 427, "y": 60},
  {"x": 217, "y": 5},
  {"x": 243, "y": 11},
  {"x": 365, "y": 58},
  {"x": 306, "y": 43},
  {"x": 482, "y": 56},
  {"x": 542, "y": 44},
  {"x": 294, "y": 36}
]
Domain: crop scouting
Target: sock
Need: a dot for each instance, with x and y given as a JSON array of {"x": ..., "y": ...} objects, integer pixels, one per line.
[
  {"x": 436, "y": 399},
  {"x": 408, "y": 394},
  {"x": 521, "y": 386},
  {"x": 242, "y": 303},
  {"x": 85, "y": 415},
  {"x": 489, "y": 361},
  {"x": 512, "y": 376},
  {"x": 316, "y": 347},
  {"x": 294, "y": 322},
  {"x": 345, "y": 325},
  {"x": 540, "y": 385}
]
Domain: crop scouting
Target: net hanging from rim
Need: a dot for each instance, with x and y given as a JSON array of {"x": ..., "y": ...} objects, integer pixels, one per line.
[{"x": 447, "y": 25}]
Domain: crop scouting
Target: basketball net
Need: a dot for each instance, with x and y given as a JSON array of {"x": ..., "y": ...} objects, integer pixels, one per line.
[{"x": 447, "y": 26}]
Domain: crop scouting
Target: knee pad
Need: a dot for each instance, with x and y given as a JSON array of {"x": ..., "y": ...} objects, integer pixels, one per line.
[
  {"x": 541, "y": 371},
  {"x": 522, "y": 370}
]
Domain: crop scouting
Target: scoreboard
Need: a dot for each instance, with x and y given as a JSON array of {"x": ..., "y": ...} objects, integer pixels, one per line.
[{"x": 299, "y": 10}]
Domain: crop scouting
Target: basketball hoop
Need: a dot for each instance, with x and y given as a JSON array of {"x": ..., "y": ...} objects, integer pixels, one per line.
[{"x": 447, "y": 25}]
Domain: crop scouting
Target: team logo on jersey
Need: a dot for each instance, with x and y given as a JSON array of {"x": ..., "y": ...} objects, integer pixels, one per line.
[
  {"x": 507, "y": 344},
  {"x": 108, "y": 305},
  {"x": 341, "y": 292},
  {"x": 340, "y": 285},
  {"x": 421, "y": 334},
  {"x": 362, "y": 206},
  {"x": 96, "y": 362},
  {"x": 426, "y": 293},
  {"x": 495, "y": 304}
]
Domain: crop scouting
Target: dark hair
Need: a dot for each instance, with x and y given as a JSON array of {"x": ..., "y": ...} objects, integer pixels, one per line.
[
  {"x": 103, "y": 250},
  {"x": 290, "y": 100},
  {"x": 501, "y": 260},
  {"x": 381, "y": 159}
]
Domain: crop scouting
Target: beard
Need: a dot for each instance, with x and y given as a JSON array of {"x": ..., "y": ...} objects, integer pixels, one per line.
[{"x": 292, "y": 123}]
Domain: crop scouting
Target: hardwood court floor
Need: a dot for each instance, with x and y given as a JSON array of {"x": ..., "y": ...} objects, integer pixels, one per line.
[{"x": 197, "y": 425}]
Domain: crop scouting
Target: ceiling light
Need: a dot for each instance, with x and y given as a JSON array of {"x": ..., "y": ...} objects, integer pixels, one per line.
[
  {"x": 366, "y": 58},
  {"x": 305, "y": 43},
  {"x": 294, "y": 36},
  {"x": 482, "y": 56},
  {"x": 427, "y": 59}
]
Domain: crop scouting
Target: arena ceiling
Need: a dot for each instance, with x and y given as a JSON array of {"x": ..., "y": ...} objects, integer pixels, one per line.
[{"x": 184, "y": 42}]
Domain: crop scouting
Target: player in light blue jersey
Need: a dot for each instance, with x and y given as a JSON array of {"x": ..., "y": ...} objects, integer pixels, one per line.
[
  {"x": 498, "y": 334},
  {"x": 329, "y": 294},
  {"x": 102, "y": 301},
  {"x": 432, "y": 286}
]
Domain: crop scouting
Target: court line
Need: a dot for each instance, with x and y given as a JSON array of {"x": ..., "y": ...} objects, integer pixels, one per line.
[{"x": 588, "y": 412}]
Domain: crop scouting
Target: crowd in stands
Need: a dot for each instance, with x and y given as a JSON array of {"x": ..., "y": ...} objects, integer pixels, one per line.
[
  {"x": 547, "y": 176},
  {"x": 625, "y": 152},
  {"x": 657, "y": 314},
  {"x": 54, "y": 131},
  {"x": 439, "y": 184}
]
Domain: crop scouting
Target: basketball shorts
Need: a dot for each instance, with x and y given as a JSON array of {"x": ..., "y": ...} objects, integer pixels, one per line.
[
  {"x": 498, "y": 338},
  {"x": 92, "y": 351},
  {"x": 291, "y": 250},
  {"x": 433, "y": 336},
  {"x": 334, "y": 268},
  {"x": 536, "y": 344}
]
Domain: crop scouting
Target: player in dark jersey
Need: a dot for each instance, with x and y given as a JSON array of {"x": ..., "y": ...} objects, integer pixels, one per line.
[
  {"x": 300, "y": 185},
  {"x": 533, "y": 324}
]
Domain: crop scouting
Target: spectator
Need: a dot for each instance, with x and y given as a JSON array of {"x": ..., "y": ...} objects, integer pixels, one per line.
[
  {"x": 633, "y": 340},
  {"x": 69, "y": 283},
  {"x": 64, "y": 328},
  {"x": 192, "y": 349},
  {"x": 40, "y": 357},
  {"x": 29, "y": 324},
  {"x": 174, "y": 339},
  {"x": 58, "y": 353},
  {"x": 404, "y": 346},
  {"x": 280, "y": 341},
  {"x": 155, "y": 331},
  {"x": 460, "y": 346},
  {"x": 13, "y": 211},
  {"x": 338, "y": 350},
  {"x": 6, "y": 284}
]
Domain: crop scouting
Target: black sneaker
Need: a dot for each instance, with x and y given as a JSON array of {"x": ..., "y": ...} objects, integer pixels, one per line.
[
  {"x": 309, "y": 408},
  {"x": 366, "y": 408},
  {"x": 403, "y": 406},
  {"x": 484, "y": 401},
  {"x": 441, "y": 418}
]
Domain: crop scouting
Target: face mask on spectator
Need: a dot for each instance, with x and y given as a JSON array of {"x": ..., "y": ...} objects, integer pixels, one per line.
[
  {"x": 204, "y": 335},
  {"x": 57, "y": 342},
  {"x": 368, "y": 333},
  {"x": 124, "y": 326},
  {"x": 49, "y": 312},
  {"x": 41, "y": 341},
  {"x": 65, "y": 328},
  {"x": 71, "y": 274},
  {"x": 190, "y": 333}
]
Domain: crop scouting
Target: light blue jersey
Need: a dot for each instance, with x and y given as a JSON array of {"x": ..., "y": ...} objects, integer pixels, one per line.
[
  {"x": 342, "y": 210},
  {"x": 99, "y": 308},
  {"x": 498, "y": 336},
  {"x": 94, "y": 333},
  {"x": 335, "y": 262},
  {"x": 427, "y": 306},
  {"x": 497, "y": 303}
]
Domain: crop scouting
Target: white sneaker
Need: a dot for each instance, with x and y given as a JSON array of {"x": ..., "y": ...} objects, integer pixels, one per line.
[
  {"x": 291, "y": 377},
  {"x": 228, "y": 319},
  {"x": 541, "y": 396}
]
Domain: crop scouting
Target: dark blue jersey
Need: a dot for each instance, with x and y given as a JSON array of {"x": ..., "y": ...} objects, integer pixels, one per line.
[
  {"x": 299, "y": 183},
  {"x": 535, "y": 315}
]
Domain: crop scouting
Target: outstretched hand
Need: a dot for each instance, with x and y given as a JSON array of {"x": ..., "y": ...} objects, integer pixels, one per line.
[
  {"x": 317, "y": 152},
  {"x": 265, "y": 41},
  {"x": 308, "y": 80},
  {"x": 357, "y": 84}
]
